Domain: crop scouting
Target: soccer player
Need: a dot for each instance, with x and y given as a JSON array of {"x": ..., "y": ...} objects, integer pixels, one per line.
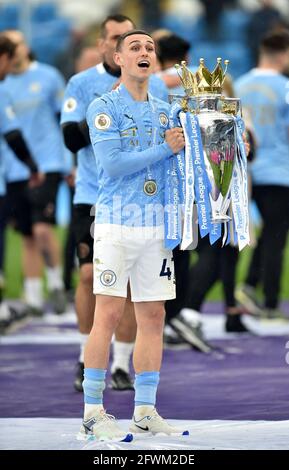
[
  {"x": 9, "y": 130},
  {"x": 264, "y": 94},
  {"x": 81, "y": 90},
  {"x": 37, "y": 92},
  {"x": 131, "y": 141}
]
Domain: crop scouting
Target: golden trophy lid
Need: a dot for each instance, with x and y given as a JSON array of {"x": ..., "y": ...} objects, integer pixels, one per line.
[{"x": 202, "y": 81}]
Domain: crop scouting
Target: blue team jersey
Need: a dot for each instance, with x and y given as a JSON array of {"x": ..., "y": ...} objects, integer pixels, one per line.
[
  {"x": 37, "y": 96},
  {"x": 81, "y": 90},
  {"x": 264, "y": 93},
  {"x": 8, "y": 123},
  {"x": 121, "y": 198}
]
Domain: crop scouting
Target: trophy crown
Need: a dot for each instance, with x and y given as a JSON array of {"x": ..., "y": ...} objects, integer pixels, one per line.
[{"x": 202, "y": 81}]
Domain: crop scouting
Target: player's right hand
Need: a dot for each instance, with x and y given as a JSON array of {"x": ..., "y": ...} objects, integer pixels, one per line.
[
  {"x": 175, "y": 139},
  {"x": 36, "y": 179}
]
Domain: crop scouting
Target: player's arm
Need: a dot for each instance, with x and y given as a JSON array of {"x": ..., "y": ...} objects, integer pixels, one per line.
[
  {"x": 17, "y": 143},
  {"x": 73, "y": 122},
  {"x": 76, "y": 135},
  {"x": 118, "y": 163},
  {"x": 106, "y": 143}
]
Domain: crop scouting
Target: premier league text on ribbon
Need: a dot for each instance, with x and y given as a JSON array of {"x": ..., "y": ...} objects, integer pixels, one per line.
[{"x": 212, "y": 170}]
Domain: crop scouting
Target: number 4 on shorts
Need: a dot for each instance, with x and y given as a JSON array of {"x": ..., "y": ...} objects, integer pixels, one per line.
[{"x": 165, "y": 271}]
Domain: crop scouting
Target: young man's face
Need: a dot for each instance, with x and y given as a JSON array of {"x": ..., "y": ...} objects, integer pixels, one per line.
[
  {"x": 108, "y": 43},
  {"x": 137, "y": 57}
]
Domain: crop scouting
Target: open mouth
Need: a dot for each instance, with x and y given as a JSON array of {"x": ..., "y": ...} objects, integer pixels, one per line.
[{"x": 144, "y": 64}]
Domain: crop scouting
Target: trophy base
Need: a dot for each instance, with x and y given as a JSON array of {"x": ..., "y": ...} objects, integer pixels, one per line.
[{"x": 218, "y": 219}]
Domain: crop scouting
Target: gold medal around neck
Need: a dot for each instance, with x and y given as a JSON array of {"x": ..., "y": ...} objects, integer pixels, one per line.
[{"x": 150, "y": 187}]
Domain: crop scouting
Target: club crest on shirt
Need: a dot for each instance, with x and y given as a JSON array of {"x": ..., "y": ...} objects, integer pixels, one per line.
[
  {"x": 70, "y": 105},
  {"x": 163, "y": 118},
  {"x": 35, "y": 87},
  {"x": 102, "y": 121},
  {"x": 107, "y": 278}
]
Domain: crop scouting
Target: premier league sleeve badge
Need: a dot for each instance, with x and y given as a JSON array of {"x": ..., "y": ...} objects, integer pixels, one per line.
[{"x": 102, "y": 121}]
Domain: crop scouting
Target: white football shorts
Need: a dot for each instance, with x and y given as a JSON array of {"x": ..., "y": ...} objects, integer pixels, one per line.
[{"x": 131, "y": 254}]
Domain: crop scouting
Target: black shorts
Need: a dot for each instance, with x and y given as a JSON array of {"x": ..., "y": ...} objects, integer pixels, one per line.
[
  {"x": 17, "y": 207},
  {"x": 43, "y": 199},
  {"x": 82, "y": 223},
  {"x": 2, "y": 208},
  {"x": 2, "y": 213}
]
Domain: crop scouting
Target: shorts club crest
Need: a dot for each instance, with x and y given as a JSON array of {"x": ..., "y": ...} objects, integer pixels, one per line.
[{"x": 108, "y": 278}]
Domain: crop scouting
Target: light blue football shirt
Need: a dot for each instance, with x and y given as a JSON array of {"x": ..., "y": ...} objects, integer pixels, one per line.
[
  {"x": 122, "y": 164},
  {"x": 265, "y": 94},
  {"x": 37, "y": 96},
  {"x": 81, "y": 90},
  {"x": 8, "y": 123}
]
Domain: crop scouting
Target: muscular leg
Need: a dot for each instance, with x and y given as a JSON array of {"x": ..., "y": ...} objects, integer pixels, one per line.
[
  {"x": 31, "y": 259},
  {"x": 107, "y": 315},
  {"x": 123, "y": 346},
  {"x": 126, "y": 330},
  {"x": 85, "y": 299},
  {"x": 149, "y": 339},
  {"x": 49, "y": 246},
  {"x": 47, "y": 243},
  {"x": 32, "y": 266}
]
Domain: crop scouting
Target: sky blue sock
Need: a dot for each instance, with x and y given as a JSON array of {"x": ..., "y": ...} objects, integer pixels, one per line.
[
  {"x": 93, "y": 385},
  {"x": 145, "y": 385}
]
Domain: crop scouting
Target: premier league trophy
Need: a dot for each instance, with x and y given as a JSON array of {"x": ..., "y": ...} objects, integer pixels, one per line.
[{"x": 212, "y": 170}]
